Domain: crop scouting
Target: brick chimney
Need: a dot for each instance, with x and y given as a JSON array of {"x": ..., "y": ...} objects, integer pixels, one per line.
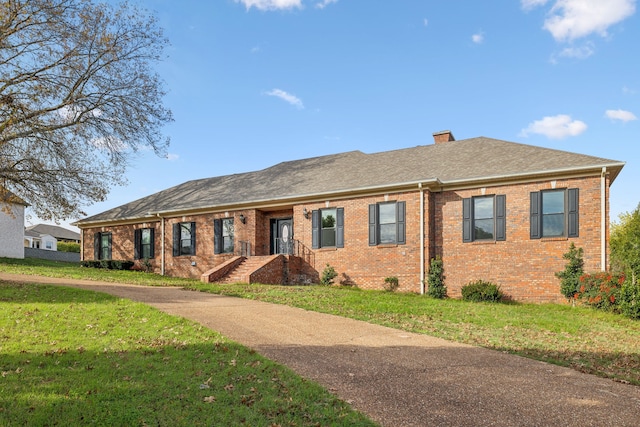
[{"x": 443, "y": 136}]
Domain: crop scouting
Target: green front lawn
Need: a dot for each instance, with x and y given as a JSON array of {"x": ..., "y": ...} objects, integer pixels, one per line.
[
  {"x": 584, "y": 339},
  {"x": 75, "y": 357}
]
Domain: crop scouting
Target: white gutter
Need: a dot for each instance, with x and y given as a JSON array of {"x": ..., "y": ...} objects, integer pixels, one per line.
[
  {"x": 603, "y": 220},
  {"x": 421, "y": 238}
]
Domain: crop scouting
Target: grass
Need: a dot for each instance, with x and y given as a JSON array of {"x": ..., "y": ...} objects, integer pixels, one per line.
[
  {"x": 75, "y": 357},
  {"x": 581, "y": 338}
]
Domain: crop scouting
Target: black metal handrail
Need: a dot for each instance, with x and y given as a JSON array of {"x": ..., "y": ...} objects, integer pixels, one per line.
[{"x": 294, "y": 247}]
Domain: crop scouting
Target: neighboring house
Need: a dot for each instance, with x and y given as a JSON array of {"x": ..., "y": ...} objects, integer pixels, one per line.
[
  {"x": 11, "y": 225},
  {"x": 493, "y": 210},
  {"x": 58, "y": 234},
  {"x": 36, "y": 240}
]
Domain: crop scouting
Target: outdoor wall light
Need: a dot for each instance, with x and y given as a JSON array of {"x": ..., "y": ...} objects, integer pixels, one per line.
[
  {"x": 243, "y": 219},
  {"x": 305, "y": 212}
]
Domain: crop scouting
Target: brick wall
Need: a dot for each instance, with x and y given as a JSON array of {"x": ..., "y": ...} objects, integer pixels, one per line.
[
  {"x": 523, "y": 267},
  {"x": 367, "y": 266}
]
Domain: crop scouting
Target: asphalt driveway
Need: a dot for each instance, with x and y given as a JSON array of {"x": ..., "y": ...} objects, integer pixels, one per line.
[{"x": 397, "y": 378}]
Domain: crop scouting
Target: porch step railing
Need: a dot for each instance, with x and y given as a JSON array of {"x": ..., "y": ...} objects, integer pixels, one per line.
[{"x": 294, "y": 247}]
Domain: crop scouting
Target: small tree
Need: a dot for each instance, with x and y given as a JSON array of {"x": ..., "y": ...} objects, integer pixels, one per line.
[
  {"x": 435, "y": 279},
  {"x": 570, "y": 276},
  {"x": 625, "y": 244},
  {"x": 328, "y": 274}
]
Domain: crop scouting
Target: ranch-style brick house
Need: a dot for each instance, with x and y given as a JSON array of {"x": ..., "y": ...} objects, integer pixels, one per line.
[{"x": 493, "y": 210}]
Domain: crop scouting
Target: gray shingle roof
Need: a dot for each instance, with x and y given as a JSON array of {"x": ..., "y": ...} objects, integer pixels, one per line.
[
  {"x": 55, "y": 231},
  {"x": 474, "y": 159}
]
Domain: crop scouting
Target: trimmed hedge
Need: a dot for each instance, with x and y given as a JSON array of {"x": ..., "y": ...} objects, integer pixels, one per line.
[{"x": 109, "y": 264}]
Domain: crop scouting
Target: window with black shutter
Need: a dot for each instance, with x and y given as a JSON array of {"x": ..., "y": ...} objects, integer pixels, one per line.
[
  {"x": 144, "y": 240},
  {"x": 184, "y": 238},
  {"x": 387, "y": 223},
  {"x": 484, "y": 218},
  {"x": 102, "y": 246},
  {"x": 554, "y": 213},
  {"x": 223, "y": 232},
  {"x": 327, "y": 228}
]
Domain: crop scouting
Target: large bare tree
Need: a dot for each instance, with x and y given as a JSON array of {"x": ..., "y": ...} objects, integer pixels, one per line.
[{"x": 78, "y": 96}]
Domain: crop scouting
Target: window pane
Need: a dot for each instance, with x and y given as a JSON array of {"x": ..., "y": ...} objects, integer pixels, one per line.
[
  {"x": 553, "y": 225},
  {"x": 387, "y": 214},
  {"x": 227, "y": 227},
  {"x": 328, "y": 218},
  {"x": 553, "y": 202},
  {"x": 146, "y": 236},
  {"x": 483, "y": 207},
  {"x": 185, "y": 247},
  {"x": 387, "y": 233},
  {"x": 484, "y": 229},
  {"x": 185, "y": 231},
  {"x": 227, "y": 244},
  {"x": 328, "y": 237},
  {"x": 146, "y": 251}
]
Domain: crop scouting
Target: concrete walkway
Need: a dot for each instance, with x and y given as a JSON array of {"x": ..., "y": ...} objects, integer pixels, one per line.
[{"x": 397, "y": 378}]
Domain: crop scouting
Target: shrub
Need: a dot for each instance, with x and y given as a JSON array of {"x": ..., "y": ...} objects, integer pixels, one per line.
[
  {"x": 481, "y": 291},
  {"x": 90, "y": 264},
  {"x": 391, "y": 284},
  {"x": 570, "y": 276},
  {"x": 435, "y": 279},
  {"x": 69, "y": 247},
  {"x": 328, "y": 274},
  {"x": 108, "y": 264},
  {"x": 146, "y": 265},
  {"x": 630, "y": 299},
  {"x": 600, "y": 290}
]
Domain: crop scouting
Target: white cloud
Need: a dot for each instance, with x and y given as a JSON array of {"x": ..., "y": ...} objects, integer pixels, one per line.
[
  {"x": 530, "y": 4},
  {"x": 628, "y": 91},
  {"x": 291, "y": 99},
  {"x": 325, "y": 3},
  {"x": 426, "y": 22},
  {"x": 622, "y": 115},
  {"x": 580, "y": 52},
  {"x": 555, "y": 127},
  {"x": 172, "y": 157},
  {"x": 477, "y": 38},
  {"x": 271, "y": 4},
  {"x": 573, "y": 19}
]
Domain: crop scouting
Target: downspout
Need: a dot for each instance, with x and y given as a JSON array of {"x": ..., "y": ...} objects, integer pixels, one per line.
[
  {"x": 603, "y": 220},
  {"x": 161, "y": 244},
  {"x": 421, "y": 238}
]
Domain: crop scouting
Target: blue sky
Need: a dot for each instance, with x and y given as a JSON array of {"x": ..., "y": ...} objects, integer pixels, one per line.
[{"x": 255, "y": 82}]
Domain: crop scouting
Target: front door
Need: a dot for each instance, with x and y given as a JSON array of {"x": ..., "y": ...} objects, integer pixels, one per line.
[{"x": 282, "y": 236}]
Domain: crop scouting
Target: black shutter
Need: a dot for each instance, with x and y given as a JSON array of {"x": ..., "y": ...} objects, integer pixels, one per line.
[
  {"x": 96, "y": 246},
  {"x": 401, "y": 227},
  {"x": 176, "y": 239},
  {"x": 152, "y": 237},
  {"x": 501, "y": 217},
  {"x": 573, "y": 202},
  {"x": 137, "y": 243},
  {"x": 535, "y": 215},
  {"x": 467, "y": 234},
  {"x": 193, "y": 238},
  {"x": 217, "y": 236},
  {"x": 373, "y": 225},
  {"x": 315, "y": 229},
  {"x": 340, "y": 228}
]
